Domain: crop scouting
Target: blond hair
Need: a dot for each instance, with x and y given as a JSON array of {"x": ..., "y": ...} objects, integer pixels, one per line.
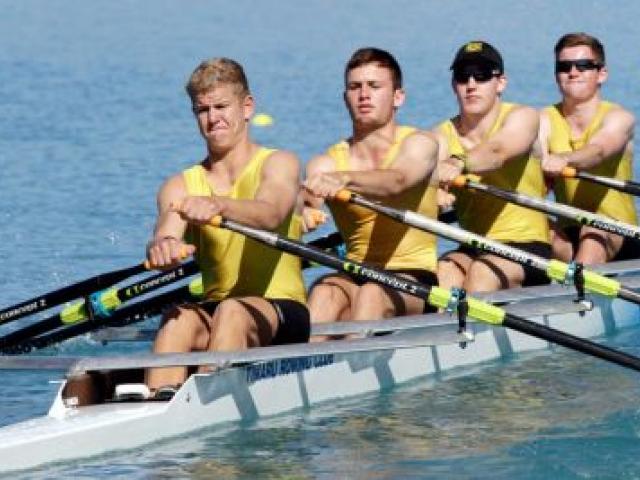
[{"x": 211, "y": 73}]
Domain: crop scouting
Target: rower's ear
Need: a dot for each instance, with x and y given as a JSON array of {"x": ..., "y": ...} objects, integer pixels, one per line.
[
  {"x": 248, "y": 105},
  {"x": 398, "y": 97},
  {"x": 603, "y": 74},
  {"x": 502, "y": 84}
]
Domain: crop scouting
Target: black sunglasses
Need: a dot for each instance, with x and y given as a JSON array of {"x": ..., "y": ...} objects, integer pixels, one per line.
[
  {"x": 565, "y": 66},
  {"x": 479, "y": 74}
]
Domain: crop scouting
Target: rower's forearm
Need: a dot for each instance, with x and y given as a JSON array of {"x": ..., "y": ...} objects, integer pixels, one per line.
[
  {"x": 485, "y": 158},
  {"x": 255, "y": 213},
  {"x": 379, "y": 183},
  {"x": 586, "y": 157}
]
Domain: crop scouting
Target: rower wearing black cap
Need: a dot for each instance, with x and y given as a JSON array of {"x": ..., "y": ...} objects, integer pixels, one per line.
[{"x": 493, "y": 140}]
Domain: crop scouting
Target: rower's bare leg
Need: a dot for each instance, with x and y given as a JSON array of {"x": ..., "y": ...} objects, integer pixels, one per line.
[
  {"x": 561, "y": 246},
  {"x": 490, "y": 272},
  {"x": 374, "y": 302},
  {"x": 241, "y": 323},
  {"x": 452, "y": 269},
  {"x": 597, "y": 246},
  {"x": 330, "y": 301},
  {"x": 184, "y": 329}
]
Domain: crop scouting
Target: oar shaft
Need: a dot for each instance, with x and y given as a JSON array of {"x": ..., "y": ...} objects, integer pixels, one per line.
[
  {"x": 65, "y": 294},
  {"x": 572, "y": 342},
  {"x": 436, "y": 296},
  {"x": 113, "y": 298},
  {"x": 448, "y": 231},
  {"x": 565, "y": 211},
  {"x": 626, "y": 186}
]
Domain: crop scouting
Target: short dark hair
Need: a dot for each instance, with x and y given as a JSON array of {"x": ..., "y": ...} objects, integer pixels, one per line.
[
  {"x": 367, "y": 55},
  {"x": 580, "y": 38}
]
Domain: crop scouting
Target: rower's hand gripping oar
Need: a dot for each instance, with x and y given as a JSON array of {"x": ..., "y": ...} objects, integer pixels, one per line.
[
  {"x": 626, "y": 186},
  {"x": 438, "y": 297},
  {"x": 71, "y": 292},
  {"x": 554, "y": 269}
]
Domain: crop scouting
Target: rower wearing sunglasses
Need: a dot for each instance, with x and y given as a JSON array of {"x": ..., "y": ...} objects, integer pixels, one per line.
[
  {"x": 587, "y": 133},
  {"x": 493, "y": 140}
]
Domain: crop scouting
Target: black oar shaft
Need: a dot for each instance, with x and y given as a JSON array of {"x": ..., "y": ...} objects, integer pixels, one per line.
[
  {"x": 123, "y": 294},
  {"x": 572, "y": 342},
  {"x": 65, "y": 294},
  {"x": 626, "y": 186}
]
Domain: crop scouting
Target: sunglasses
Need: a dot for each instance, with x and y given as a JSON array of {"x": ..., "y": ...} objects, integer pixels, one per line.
[
  {"x": 565, "y": 66},
  {"x": 479, "y": 74}
]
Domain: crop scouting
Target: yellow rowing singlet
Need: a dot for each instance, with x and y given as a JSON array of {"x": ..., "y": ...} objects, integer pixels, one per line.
[
  {"x": 376, "y": 239},
  {"x": 492, "y": 217},
  {"x": 581, "y": 193},
  {"x": 233, "y": 265}
]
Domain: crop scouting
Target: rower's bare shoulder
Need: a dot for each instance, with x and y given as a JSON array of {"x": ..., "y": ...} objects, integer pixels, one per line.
[
  {"x": 620, "y": 115},
  {"x": 173, "y": 189},
  {"x": 320, "y": 164},
  {"x": 421, "y": 142}
]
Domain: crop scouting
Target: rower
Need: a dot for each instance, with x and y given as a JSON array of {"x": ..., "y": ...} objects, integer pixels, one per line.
[
  {"x": 254, "y": 295},
  {"x": 587, "y": 133},
  {"x": 392, "y": 163},
  {"x": 493, "y": 140}
]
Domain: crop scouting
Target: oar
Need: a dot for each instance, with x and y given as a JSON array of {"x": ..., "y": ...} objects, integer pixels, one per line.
[
  {"x": 626, "y": 186},
  {"x": 102, "y": 304},
  {"x": 27, "y": 339},
  {"x": 128, "y": 314},
  {"x": 554, "y": 269},
  {"x": 70, "y": 292},
  {"x": 546, "y": 206},
  {"x": 436, "y": 296}
]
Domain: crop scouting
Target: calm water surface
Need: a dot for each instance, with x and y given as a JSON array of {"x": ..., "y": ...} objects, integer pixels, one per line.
[{"x": 94, "y": 117}]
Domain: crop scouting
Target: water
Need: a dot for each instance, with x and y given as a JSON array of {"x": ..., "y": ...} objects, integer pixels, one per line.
[{"x": 94, "y": 117}]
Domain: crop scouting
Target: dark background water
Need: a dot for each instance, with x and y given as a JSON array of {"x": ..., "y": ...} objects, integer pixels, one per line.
[{"x": 94, "y": 117}]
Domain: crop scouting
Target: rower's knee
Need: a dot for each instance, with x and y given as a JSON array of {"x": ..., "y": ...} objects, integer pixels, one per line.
[
  {"x": 180, "y": 329},
  {"x": 235, "y": 328},
  {"x": 325, "y": 302},
  {"x": 372, "y": 303}
]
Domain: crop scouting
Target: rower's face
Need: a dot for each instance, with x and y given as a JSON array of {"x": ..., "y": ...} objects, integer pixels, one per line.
[
  {"x": 223, "y": 116},
  {"x": 370, "y": 95},
  {"x": 580, "y": 83},
  {"x": 478, "y": 96}
]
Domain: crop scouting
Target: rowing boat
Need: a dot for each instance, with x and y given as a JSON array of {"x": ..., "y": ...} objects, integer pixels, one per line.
[{"x": 84, "y": 420}]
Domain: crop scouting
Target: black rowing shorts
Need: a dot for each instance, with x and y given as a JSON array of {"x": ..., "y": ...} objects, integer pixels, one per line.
[
  {"x": 532, "y": 276},
  {"x": 294, "y": 323}
]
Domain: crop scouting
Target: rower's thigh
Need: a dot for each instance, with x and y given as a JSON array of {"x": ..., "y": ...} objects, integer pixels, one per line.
[
  {"x": 453, "y": 268},
  {"x": 183, "y": 328},
  {"x": 597, "y": 246},
  {"x": 254, "y": 318},
  {"x": 490, "y": 272},
  {"x": 373, "y": 302},
  {"x": 331, "y": 298}
]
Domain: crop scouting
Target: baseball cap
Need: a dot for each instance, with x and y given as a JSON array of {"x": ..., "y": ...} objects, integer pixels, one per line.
[{"x": 479, "y": 53}]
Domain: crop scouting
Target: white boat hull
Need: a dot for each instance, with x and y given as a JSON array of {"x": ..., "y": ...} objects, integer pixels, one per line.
[{"x": 269, "y": 388}]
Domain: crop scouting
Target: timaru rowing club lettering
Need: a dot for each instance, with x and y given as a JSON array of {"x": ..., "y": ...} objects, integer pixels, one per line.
[
  {"x": 30, "y": 307},
  {"x": 285, "y": 366}
]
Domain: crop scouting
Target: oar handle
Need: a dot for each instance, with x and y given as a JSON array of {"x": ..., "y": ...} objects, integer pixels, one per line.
[
  {"x": 569, "y": 172},
  {"x": 460, "y": 181},
  {"x": 344, "y": 195}
]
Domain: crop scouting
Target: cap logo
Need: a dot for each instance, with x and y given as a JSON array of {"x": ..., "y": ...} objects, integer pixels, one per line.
[{"x": 473, "y": 47}]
